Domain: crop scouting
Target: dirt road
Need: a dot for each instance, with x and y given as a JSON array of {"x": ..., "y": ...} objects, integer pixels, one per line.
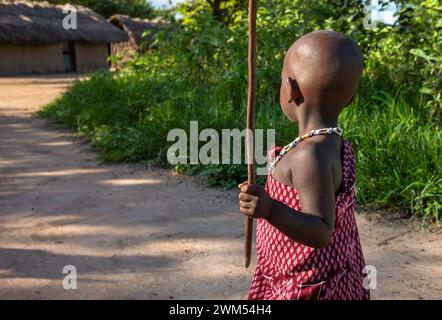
[{"x": 137, "y": 233}]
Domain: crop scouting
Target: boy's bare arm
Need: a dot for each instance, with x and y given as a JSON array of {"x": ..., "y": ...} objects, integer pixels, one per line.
[{"x": 313, "y": 180}]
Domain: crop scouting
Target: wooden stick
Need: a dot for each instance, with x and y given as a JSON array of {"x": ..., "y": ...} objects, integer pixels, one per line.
[{"x": 250, "y": 125}]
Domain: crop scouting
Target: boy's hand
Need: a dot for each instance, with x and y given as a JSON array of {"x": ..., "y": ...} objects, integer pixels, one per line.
[{"x": 254, "y": 201}]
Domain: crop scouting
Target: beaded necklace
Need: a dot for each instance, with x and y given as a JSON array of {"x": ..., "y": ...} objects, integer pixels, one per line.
[{"x": 338, "y": 130}]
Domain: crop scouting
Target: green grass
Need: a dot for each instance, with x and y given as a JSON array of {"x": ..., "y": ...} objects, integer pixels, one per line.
[
  {"x": 127, "y": 117},
  {"x": 398, "y": 155}
]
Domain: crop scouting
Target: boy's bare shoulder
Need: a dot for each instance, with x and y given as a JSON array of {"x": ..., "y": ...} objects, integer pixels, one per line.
[
  {"x": 315, "y": 161},
  {"x": 311, "y": 158},
  {"x": 311, "y": 150}
]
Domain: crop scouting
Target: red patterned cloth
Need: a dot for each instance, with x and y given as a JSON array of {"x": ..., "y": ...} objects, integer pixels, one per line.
[{"x": 288, "y": 270}]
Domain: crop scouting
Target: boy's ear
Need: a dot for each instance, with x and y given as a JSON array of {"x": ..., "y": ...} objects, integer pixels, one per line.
[{"x": 295, "y": 92}]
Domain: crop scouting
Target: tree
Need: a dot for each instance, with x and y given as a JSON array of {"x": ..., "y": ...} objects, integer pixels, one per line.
[{"x": 223, "y": 10}]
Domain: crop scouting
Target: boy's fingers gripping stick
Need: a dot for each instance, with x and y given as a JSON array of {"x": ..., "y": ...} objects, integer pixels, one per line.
[
  {"x": 250, "y": 189},
  {"x": 241, "y": 184},
  {"x": 248, "y": 228}
]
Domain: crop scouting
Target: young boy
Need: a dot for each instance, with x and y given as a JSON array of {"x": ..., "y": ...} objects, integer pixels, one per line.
[{"x": 307, "y": 241}]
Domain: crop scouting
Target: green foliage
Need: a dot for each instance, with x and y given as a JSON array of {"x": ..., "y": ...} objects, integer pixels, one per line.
[
  {"x": 199, "y": 72},
  {"x": 133, "y": 8}
]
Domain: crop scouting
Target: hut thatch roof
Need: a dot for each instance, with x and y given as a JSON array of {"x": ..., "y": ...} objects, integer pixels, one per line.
[
  {"x": 41, "y": 22},
  {"x": 135, "y": 27}
]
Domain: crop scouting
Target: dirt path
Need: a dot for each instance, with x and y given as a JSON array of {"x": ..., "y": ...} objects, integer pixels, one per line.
[{"x": 145, "y": 234}]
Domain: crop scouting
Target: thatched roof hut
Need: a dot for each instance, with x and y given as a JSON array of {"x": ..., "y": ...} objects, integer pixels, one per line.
[
  {"x": 41, "y": 22},
  {"x": 135, "y": 28},
  {"x": 140, "y": 34},
  {"x": 33, "y": 39}
]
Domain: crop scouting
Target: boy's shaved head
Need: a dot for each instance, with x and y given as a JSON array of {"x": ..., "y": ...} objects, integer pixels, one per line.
[{"x": 327, "y": 67}]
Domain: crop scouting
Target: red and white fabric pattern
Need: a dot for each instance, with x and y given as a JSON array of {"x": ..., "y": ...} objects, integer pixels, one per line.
[{"x": 288, "y": 270}]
